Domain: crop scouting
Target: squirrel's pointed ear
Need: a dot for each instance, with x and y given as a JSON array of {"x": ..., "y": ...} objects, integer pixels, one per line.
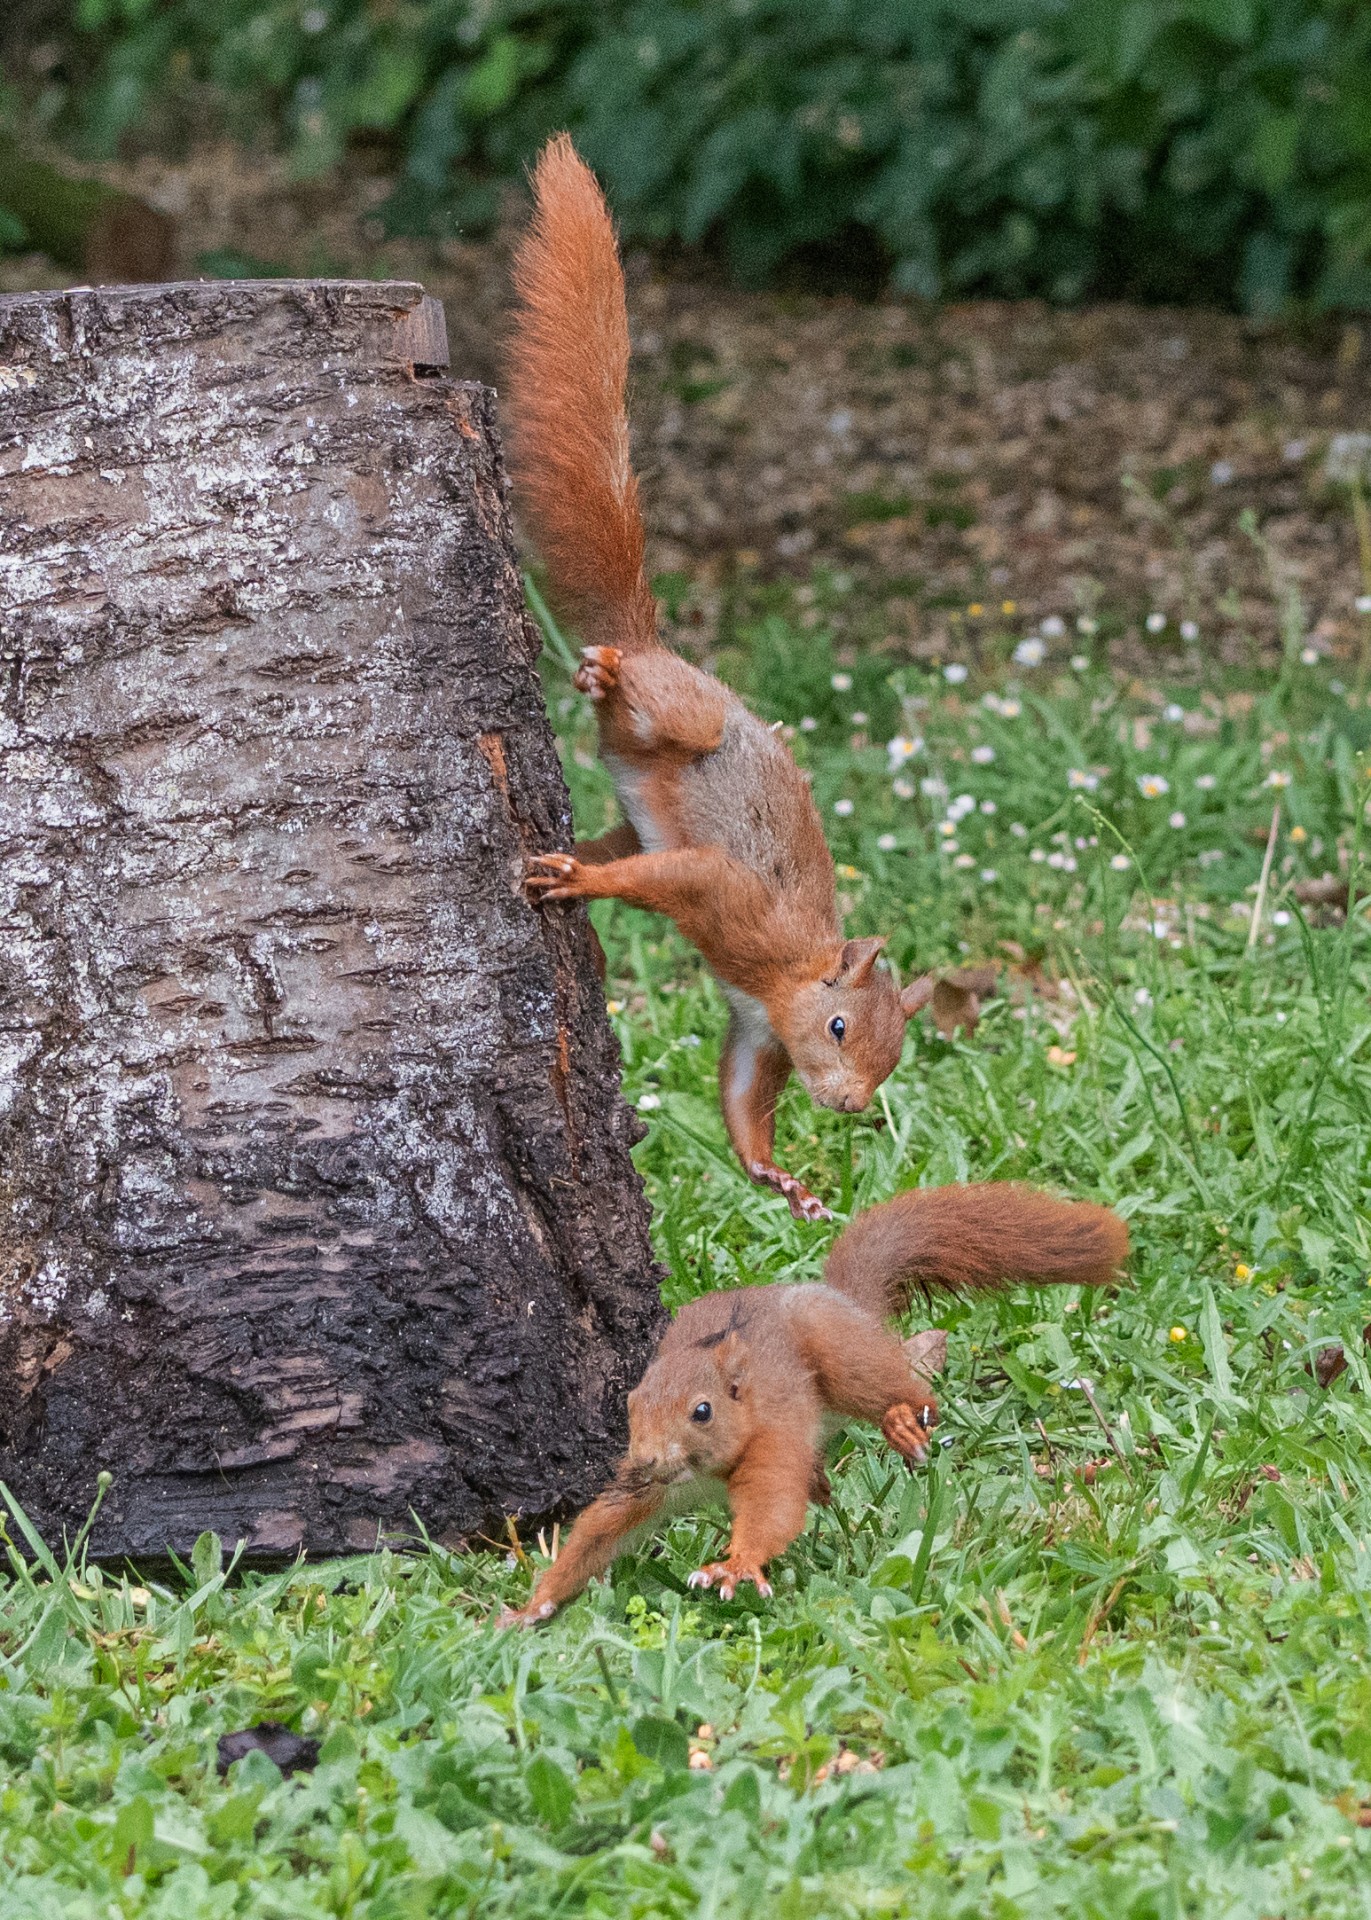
[
  {"x": 732, "y": 1358},
  {"x": 917, "y": 995},
  {"x": 859, "y": 957}
]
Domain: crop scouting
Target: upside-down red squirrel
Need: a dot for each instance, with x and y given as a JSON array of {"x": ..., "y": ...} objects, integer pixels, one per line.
[
  {"x": 720, "y": 831},
  {"x": 744, "y": 1382}
]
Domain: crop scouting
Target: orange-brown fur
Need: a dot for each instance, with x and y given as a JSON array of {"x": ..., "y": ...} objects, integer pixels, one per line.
[
  {"x": 721, "y": 833},
  {"x": 568, "y": 430},
  {"x": 771, "y": 1363}
]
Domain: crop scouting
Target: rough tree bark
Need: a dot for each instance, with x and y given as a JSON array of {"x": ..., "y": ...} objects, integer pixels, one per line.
[{"x": 316, "y": 1206}]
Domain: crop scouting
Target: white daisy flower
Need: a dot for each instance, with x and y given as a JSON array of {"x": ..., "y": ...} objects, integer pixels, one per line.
[
  {"x": 1363, "y": 603},
  {"x": 1309, "y": 656},
  {"x": 1176, "y": 819},
  {"x": 1079, "y": 663},
  {"x": 1120, "y": 862},
  {"x": 988, "y": 806},
  {"x": 1278, "y": 779},
  {"x": 1173, "y": 712},
  {"x": 1010, "y": 709},
  {"x": 1018, "y": 829},
  {"x": 1086, "y": 625},
  {"x": 902, "y": 789},
  {"x": 1153, "y": 785},
  {"x": 983, "y": 755},
  {"x": 1053, "y": 627},
  {"x": 808, "y": 723},
  {"x": 964, "y": 860},
  {"x": 989, "y": 876},
  {"x": 1206, "y": 782},
  {"x": 1155, "y": 622},
  {"x": 860, "y": 719},
  {"x": 886, "y": 842},
  {"x": 954, "y": 673},
  {"x": 841, "y": 683},
  {"x": 1080, "y": 781},
  {"x": 1036, "y": 855},
  {"x": 649, "y": 1102},
  {"x": 842, "y": 808},
  {"x": 903, "y": 747},
  {"x": 933, "y": 788},
  {"x": 1189, "y": 630},
  {"x": 1031, "y": 652}
]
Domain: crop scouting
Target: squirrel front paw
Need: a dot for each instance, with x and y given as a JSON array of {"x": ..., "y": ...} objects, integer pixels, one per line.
[
  {"x": 727, "y": 1576},
  {"x": 529, "y": 1616},
  {"x": 907, "y": 1430},
  {"x": 555, "y": 876},
  {"x": 802, "y": 1203},
  {"x": 598, "y": 673}
]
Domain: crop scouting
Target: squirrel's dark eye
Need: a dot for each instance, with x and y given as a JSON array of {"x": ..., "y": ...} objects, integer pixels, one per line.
[
  {"x": 837, "y": 1026},
  {"x": 702, "y": 1411}
]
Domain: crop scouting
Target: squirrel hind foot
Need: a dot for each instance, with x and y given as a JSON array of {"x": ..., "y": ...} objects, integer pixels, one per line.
[
  {"x": 728, "y": 1576},
  {"x": 525, "y": 1616},
  {"x": 906, "y": 1429},
  {"x": 598, "y": 673}
]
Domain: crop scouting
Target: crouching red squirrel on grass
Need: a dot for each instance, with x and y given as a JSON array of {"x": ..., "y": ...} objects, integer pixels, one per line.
[
  {"x": 720, "y": 832},
  {"x": 744, "y": 1382}
]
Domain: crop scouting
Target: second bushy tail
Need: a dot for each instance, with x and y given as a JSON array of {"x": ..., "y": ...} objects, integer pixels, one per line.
[{"x": 972, "y": 1239}]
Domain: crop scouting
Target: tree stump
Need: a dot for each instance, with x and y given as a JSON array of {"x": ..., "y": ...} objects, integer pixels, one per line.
[{"x": 317, "y": 1214}]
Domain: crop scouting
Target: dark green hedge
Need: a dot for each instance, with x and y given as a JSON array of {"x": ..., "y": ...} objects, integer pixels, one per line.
[{"x": 1175, "y": 149}]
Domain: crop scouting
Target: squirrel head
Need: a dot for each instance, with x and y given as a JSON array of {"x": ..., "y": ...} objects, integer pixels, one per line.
[
  {"x": 691, "y": 1413},
  {"x": 844, "y": 1030}
]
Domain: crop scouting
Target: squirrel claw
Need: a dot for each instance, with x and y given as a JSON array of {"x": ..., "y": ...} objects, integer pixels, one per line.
[
  {"x": 553, "y": 876},
  {"x": 802, "y": 1203},
  {"x": 529, "y": 1616},
  {"x": 727, "y": 1576},
  {"x": 598, "y": 673},
  {"x": 907, "y": 1430}
]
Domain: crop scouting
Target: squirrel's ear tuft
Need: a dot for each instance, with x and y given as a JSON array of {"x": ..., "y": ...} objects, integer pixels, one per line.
[
  {"x": 917, "y": 995},
  {"x": 859, "y": 957}
]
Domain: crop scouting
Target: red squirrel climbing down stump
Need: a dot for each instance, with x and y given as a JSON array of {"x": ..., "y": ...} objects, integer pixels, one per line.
[
  {"x": 720, "y": 831},
  {"x": 743, "y": 1382}
]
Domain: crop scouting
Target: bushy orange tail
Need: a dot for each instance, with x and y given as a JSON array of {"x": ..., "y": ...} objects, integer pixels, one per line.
[
  {"x": 972, "y": 1239},
  {"x": 565, "y": 415}
]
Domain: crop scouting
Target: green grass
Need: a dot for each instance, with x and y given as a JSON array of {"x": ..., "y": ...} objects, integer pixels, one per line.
[{"x": 1110, "y": 1675}]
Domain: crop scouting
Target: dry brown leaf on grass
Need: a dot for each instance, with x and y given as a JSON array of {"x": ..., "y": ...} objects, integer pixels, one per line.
[
  {"x": 1328, "y": 895},
  {"x": 927, "y": 1352},
  {"x": 954, "y": 998},
  {"x": 1331, "y": 1361}
]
